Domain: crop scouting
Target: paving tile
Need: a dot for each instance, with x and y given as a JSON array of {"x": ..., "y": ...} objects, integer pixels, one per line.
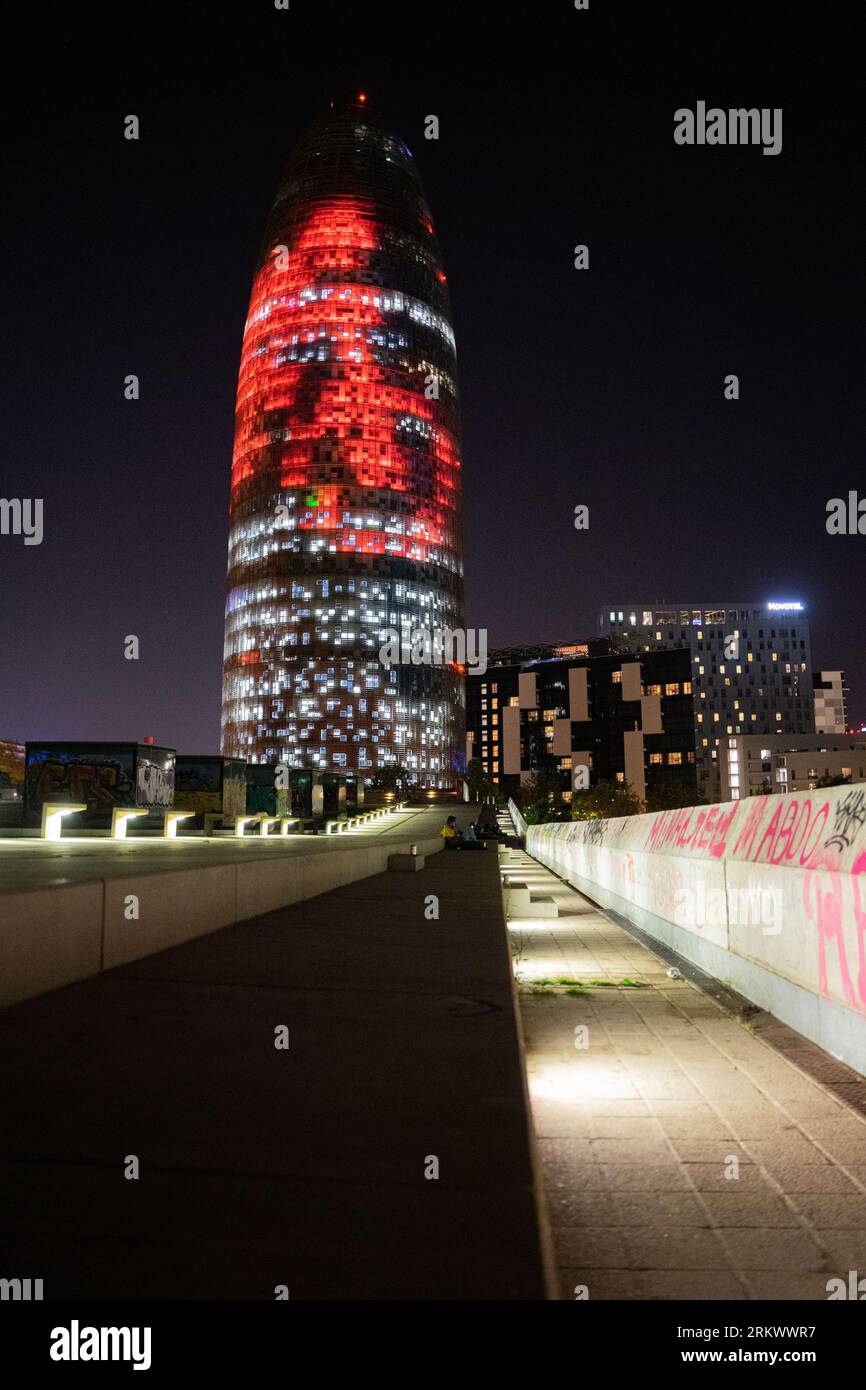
[
  {"x": 656, "y": 1209},
  {"x": 749, "y": 1206},
  {"x": 837, "y": 1209},
  {"x": 625, "y": 1108},
  {"x": 645, "y": 1177},
  {"x": 680, "y": 1248},
  {"x": 643, "y": 1128},
  {"x": 697, "y": 1127},
  {"x": 846, "y": 1249},
  {"x": 786, "y": 1285},
  {"x": 709, "y": 1150},
  {"x": 629, "y": 1151},
  {"x": 595, "y": 1247},
  {"x": 790, "y": 1148},
  {"x": 579, "y": 1205},
  {"x": 815, "y": 1178},
  {"x": 711, "y": 1177},
  {"x": 779, "y": 1250}
]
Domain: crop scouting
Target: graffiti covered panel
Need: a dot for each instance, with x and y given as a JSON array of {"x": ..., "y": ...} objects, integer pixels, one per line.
[{"x": 101, "y": 775}]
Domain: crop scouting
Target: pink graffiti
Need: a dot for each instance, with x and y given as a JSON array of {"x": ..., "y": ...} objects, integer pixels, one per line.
[
  {"x": 824, "y": 881},
  {"x": 794, "y": 830}
]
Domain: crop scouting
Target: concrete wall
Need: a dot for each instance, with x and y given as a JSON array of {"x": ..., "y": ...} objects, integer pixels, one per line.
[
  {"x": 764, "y": 894},
  {"x": 53, "y": 936}
]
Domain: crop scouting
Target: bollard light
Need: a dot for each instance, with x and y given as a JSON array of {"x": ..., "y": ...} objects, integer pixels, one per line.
[
  {"x": 169, "y": 825},
  {"x": 120, "y": 815},
  {"x": 52, "y": 817}
]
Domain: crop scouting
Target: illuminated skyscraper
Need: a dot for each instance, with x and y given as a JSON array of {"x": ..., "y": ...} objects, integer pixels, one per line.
[{"x": 345, "y": 497}]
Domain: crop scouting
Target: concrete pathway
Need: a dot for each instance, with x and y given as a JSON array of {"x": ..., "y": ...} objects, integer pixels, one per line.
[
  {"x": 691, "y": 1146},
  {"x": 384, "y": 1153}
]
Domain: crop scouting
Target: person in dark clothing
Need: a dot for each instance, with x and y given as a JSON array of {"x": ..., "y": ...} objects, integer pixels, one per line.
[
  {"x": 487, "y": 826},
  {"x": 470, "y": 840}
]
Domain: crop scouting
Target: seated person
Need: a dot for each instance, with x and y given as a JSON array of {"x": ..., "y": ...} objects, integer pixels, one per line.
[
  {"x": 487, "y": 826},
  {"x": 470, "y": 840},
  {"x": 449, "y": 833}
]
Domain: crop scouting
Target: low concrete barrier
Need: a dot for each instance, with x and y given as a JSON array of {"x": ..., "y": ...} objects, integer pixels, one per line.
[
  {"x": 764, "y": 894},
  {"x": 519, "y": 823},
  {"x": 56, "y": 935}
]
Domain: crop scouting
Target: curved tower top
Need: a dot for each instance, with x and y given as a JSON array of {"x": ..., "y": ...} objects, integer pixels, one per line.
[{"x": 345, "y": 498}]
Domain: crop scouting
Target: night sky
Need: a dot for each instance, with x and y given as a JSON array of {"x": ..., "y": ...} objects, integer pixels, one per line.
[{"x": 602, "y": 387}]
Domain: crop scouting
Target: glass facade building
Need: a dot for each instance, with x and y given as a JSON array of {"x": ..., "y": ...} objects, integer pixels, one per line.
[{"x": 345, "y": 492}]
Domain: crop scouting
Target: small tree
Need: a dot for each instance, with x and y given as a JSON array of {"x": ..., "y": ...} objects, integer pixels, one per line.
[
  {"x": 834, "y": 780},
  {"x": 479, "y": 783},
  {"x": 667, "y": 796},
  {"x": 540, "y": 798},
  {"x": 605, "y": 801},
  {"x": 392, "y": 778}
]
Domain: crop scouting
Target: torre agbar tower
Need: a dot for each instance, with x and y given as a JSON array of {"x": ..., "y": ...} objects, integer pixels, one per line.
[{"x": 345, "y": 494}]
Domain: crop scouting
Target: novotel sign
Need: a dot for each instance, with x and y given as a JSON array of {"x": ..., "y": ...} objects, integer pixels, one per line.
[{"x": 796, "y": 607}]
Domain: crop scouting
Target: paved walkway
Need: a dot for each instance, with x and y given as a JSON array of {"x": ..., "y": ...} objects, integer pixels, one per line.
[
  {"x": 312, "y": 1166},
  {"x": 696, "y": 1147}
]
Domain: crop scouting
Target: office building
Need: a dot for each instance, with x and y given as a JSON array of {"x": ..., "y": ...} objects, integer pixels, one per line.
[
  {"x": 345, "y": 493},
  {"x": 751, "y": 668}
]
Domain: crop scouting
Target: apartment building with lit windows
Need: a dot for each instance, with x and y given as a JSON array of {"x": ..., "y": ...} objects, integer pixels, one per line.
[
  {"x": 758, "y": 764},
  {"x": 829, "y": 691},
  {"x": 751, "y": 669},
  {"x": 555, "y": 709}
]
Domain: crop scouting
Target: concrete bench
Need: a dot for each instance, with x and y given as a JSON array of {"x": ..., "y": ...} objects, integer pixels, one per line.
[{"x": 520, "y": 902}]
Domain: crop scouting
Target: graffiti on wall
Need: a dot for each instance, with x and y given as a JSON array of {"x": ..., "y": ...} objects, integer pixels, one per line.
[
  {"x": 101, "y": 777},
  {"x": 809, "y": 853},
  {"x": 100, "y": 782}
]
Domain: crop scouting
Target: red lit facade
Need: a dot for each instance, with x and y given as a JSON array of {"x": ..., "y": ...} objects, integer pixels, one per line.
[{"x": 345, "y": 498}]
